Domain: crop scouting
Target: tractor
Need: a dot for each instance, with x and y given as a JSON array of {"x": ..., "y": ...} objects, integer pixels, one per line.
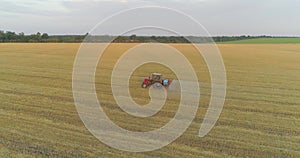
[{"x": 156, "y": 81}]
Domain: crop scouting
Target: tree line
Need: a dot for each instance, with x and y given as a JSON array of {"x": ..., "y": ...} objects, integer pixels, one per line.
[{"x": 10, "y": 36}]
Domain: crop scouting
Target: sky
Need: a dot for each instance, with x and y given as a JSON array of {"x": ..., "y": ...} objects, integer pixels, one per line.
[{"x": 219, "y": 17}]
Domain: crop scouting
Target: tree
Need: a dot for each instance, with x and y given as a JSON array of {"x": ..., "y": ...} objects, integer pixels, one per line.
[
  {"x": 132, "y": 38},
  {"x": 2, "y": 36},
  {"x": 45, "y": 36},
  {"x": 10, "y": 36},
  {"x": 38, "y": 36},
  {"x": 21, "y": 37}
]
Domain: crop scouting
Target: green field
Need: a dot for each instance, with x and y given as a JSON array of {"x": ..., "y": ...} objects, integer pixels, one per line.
[
  {"x": 261, "y": 115},
  {"x": 266, "y": 41}
]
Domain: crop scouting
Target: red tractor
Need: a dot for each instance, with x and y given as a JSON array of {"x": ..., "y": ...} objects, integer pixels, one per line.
[{"x": 156, "y": 80}]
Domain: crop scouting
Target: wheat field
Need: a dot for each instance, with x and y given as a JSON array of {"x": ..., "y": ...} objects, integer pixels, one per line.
[{"x": 260, "y": 118}]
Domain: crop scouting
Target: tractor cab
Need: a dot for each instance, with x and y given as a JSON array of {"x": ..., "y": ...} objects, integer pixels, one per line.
[{"x": 156, "y": 77}]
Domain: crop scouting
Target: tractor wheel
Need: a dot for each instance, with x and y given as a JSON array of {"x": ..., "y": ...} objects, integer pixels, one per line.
[{"x": 144, "y": 85}]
